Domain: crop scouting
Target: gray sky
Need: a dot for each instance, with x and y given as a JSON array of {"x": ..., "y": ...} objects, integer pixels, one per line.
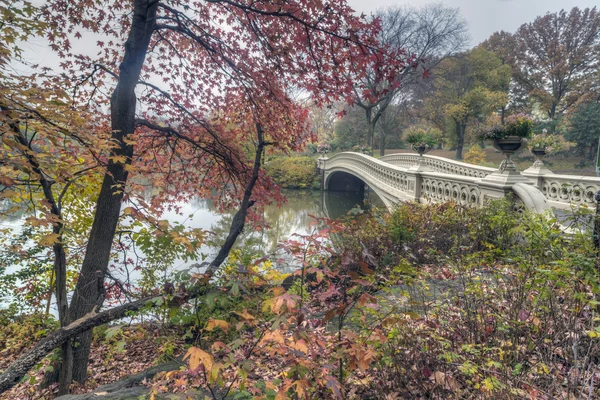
[{"x": 486, "y": 16}]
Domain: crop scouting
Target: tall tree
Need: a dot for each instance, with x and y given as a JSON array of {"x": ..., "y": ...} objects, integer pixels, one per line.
[
  {"x": 469, "y": 86},
  {"x": 428, "y": 35},
  {"x": 504, "y": 45},
  {"x": 557, "y": 57},
  {"x": 583, "y": 128},
  {"x": 393, "y": 121},
  {"x": 351, "y": 130}
]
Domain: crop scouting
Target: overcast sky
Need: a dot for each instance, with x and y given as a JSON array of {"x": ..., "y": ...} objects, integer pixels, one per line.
[{"x": 486, "y": 16}]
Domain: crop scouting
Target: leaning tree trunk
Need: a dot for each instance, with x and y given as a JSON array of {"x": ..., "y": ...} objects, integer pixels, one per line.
[
  {"x": 90, "y": 286},
  {"x": 371, "y": 132}
]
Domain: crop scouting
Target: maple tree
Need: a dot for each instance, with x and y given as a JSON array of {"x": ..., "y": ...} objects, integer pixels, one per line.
[{"x": 171, "y": 93}]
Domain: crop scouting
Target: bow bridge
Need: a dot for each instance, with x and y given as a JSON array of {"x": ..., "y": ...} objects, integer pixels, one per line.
[{"x": 405, "y": 177}]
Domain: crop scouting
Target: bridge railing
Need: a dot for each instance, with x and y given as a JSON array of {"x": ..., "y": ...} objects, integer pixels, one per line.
[
  {"x": 400, "y": 177},
  {"x": 567, "y": 191},
  {"x": 438, "y": 164}
]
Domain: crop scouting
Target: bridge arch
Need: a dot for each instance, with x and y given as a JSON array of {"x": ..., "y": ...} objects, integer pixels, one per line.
[{"x": 345, "y": 179}]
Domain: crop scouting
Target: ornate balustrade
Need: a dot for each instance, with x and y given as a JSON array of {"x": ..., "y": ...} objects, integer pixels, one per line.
[
  {"x": 437, "y": 187},
  {"x": 401, "y": 177},
  {"x": 568, "y": 191},
  {"x": 391, "y": 183},
  {"x": 438, "y": 164}
]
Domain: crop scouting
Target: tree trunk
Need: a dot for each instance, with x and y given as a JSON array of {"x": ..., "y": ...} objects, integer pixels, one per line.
[
  {"x": 60, "y": 270},
  {"x": 89, "y": 291},
  {"x": 13, "y": 374},
  {"x": 381, "y": 145},
  {"x": 371, "y": 132},
  {"x": 460, "y": 133},
  {"x": 25, "y": 362}
]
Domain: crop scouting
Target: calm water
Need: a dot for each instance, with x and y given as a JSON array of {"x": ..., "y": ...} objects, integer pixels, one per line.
[
  {"x": 297, "y": 217},
  {"x": 281, "y": 224}
]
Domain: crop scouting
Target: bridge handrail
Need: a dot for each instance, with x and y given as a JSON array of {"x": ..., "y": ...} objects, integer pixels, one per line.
[
  {"x": 448, "y": 179},
  {"x": 567, "y": 190},
  {"x": 438, "y": 164},
  {"x": 365, "y": 159}
]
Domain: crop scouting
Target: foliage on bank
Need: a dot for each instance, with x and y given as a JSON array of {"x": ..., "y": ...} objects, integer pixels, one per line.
[
  {"x": 434, "y": 301},
  {"x": 294, "y": 172}
]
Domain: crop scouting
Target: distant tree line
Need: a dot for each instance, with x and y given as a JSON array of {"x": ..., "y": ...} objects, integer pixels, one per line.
[{"x": 548, "y": 68}]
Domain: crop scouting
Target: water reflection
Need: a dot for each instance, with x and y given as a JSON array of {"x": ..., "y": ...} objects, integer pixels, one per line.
[{"x": 297, "y": 216}]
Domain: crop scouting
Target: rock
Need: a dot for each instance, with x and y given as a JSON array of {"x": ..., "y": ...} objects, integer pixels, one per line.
[{"x": 126, "y": 388}]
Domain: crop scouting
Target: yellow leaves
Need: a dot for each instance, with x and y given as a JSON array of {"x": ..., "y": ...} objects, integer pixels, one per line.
[
  {"x": 593, "y": 334},
  {"x": 163, "y": 224},
  {"x": 129, "y": 142},
  {"x": 197, "y": 357},
  {"x": 245, "y": 315},
  {"x": 216, "y": 323},
  {"x": 49, "y": 239},
  {"x": 300, "y": 345},
  {"x": 118, "y": 159},
  {"x": 274, "y": 336}
]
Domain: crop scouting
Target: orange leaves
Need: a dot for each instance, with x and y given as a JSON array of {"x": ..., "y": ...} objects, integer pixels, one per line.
[
  {"x": 6, "y": 181},
  {"x": 216, "y": 323},
  {"x": 197, "y": 357},
  {"x": 49, "y": 239},
  {"x": 282, "y": 301},
  {"x": 300, "y": 387}
]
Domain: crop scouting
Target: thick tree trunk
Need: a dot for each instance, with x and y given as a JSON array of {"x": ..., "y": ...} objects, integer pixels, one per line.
[
  {"x": 90, "y": 285},
  {"x": 23, "y": 364}
]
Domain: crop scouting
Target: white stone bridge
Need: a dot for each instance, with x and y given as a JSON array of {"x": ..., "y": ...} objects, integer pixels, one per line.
[{"x": 404, "y": 177}]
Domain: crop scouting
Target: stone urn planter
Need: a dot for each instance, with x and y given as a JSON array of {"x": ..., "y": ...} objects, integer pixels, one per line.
[
  {"x": 538, "y": 153},
  {"x": 508, "y": 146},
  {"x": 421, "y": 149}
]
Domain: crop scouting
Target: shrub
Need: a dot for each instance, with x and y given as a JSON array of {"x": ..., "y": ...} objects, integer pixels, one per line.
[
  {"x": 549, "y": 143},
  {"x": 519, "y": 125},
  {"x": 475, "y": 155},
  {"x": 293, "y": 172}
]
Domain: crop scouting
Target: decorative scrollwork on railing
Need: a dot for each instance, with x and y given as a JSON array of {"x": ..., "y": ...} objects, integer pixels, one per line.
[
  {"x": 440, "y": 190},
  {"x": 439, "y": 164},
  {"x": 450, "y": 180},
  {"x": 576, "y": 191}
]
